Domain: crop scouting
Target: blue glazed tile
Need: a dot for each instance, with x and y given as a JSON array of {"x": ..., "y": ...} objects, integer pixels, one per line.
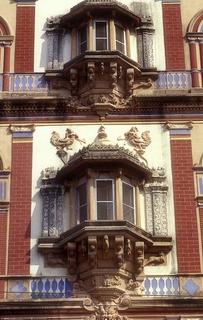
[
  {"x": 18, "y": 289},
  {"x": 191, "y": 287}
]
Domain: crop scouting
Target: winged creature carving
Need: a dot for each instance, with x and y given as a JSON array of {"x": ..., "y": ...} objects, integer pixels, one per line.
[{"x": 66, "y": 143}]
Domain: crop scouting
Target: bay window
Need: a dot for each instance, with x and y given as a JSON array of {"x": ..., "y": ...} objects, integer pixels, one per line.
[
  {"x": 99, "y": 36},
  {"x": 104, "y": 200}
]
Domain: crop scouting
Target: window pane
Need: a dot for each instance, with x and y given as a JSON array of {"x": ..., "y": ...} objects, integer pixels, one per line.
[
  {"x": 101, "y": 29},
  {"x": 128, "y": 202},
  {"x": 81, "y": 194},
  {"x": 101, "y": 44},
  {"x": 82, "y": 39},
  {"x": 128, "y": 213},
  {"x": 104, "y": 210},
  {"x": 119, "y": 34},
  {"x": 104, "y": 190},
  {"x": 83, "y": 213},
  {"x": 120, "y": 45},
  {"x": 128, "y": 197}
]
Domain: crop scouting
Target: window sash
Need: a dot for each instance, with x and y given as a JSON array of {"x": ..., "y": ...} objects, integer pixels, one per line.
[
  {"x": 105, "y": 199},
  {"x": 120, "y": 38},
  {"x": 101, "y": 35},
  {"x": 128, "y": 202},
  {"x": 81, "y": 204},
  {"x": 82, "y": 39}
]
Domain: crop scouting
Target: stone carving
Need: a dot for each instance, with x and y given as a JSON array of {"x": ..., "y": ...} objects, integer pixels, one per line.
[
  {"x": 102, "y": 68},
  {"x": 92, "y": 251},
  {"x": 78, "y": 289},
  {"x": 120, "y": 72},
  {"x": 138, "y": 142},
  {"x": 22, "y": 128},
  {"x": 134, "y": 287},
  {"x": 139, "y": 256},
  {"x": 52, "y": 195},
  {"x": 144, "y": 85},
  {"x": 128, "y": 248},
  {"x": 71, "y": 250},
  {"x": 119, "y": 250},
  {"x": 155, "y": 260},
  {"x": 82, "y": 251},
  {"x": 58, "y": 84},
  {"x": 107, "y": 309},
  {"x": 55, "y": 43},
  {"x": 130, "y": 81},
  {"x": 73, "y": 81},
  {"x": 55, "y": 260},
  {"x": 156, "y": 203},
  {"x": 108, "y": 280},
  {"x": 91, "y": 73},
  {"x": 106, "y": 243},
  {"x": 113, "y": 74},
  {"x": 66, "y": 143}
]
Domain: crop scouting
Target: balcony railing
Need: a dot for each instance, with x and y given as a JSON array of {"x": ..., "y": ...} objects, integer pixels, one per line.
[
  {"x": 60, "y": 287},
  {"x": 36, "y": 82}
]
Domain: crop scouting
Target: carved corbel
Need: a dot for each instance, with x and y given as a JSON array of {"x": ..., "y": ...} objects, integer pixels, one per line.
[
  {"x": 139, "y": 256},
  {"x": 71, "y": 251},
  {"x": 82, "y": 251},
  {"x": 105, "y": 246},
  {"x": 119, "y": 250},
  {"x": 113, "y": 74},
  {"x": 130, "y": 81},
  {"x": 92, "y": 251},
  {"x": 91, "y": 73},
  {"x": 102, "y": 68},
  {"x": 73, "y": 81},
  {"x": 128, "y": 249}
]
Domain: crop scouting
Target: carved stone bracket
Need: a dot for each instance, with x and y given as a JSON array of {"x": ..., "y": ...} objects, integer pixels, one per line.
[{"x": 107, "y": 309}]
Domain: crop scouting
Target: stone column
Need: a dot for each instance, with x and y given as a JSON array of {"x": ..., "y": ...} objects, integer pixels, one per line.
[
  {"x": 6, "y": 67},
  {"x": 156, "y": 201},
  {"x": 145, "y": 43},
  {"x": 52, "y": 195},
  {"x": 193, "y": 62}
]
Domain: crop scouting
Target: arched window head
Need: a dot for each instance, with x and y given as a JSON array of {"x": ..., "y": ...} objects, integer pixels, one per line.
[{"x": 195, "y": 40}]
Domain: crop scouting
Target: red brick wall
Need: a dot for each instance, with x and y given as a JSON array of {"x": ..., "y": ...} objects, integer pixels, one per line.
[
  {"x": 185, "y": 207},
  {"x": 25, "y": 26},
  {"x": 201, "y": 223},
  {"x": 3, "y": 247},
  {"x": 174, "y": 48},
  {"x": 20, "y": 210}
]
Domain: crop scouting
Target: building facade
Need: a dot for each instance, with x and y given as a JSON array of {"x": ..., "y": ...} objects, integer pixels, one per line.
[{"x": 101, "y": 159}]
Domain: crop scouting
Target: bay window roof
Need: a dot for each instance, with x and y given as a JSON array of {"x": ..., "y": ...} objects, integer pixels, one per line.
[{"x": 89, "y": 9}]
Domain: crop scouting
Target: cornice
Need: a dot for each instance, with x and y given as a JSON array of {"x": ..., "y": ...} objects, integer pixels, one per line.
[{"x": 159, "y": 105}]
